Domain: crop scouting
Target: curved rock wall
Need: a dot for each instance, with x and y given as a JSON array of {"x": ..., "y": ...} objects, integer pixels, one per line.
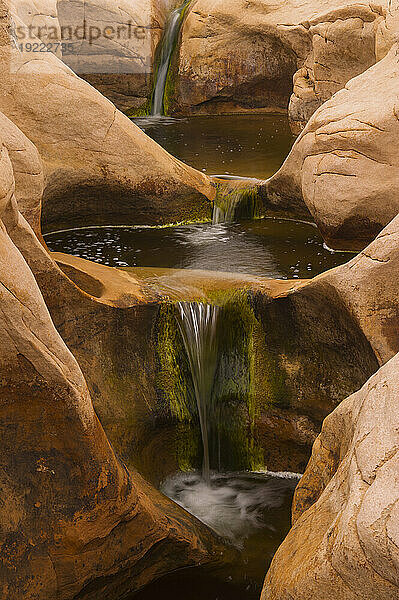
[
  {"x": 345, "y": 537},
  {"x": 344, "y": 165},
  {"x": 237, "y": 56},
  {"x": 343, "y": 45},
  {"x": 73, "y": 518},
  {"x": 99, "y": 166}
]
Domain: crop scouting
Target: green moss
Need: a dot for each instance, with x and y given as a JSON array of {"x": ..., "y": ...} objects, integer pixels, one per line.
[
  {"x": 232, "y": 410},
  {"x": 249, "y": 380},
  {"x": 171, "y": 78},
  {"x": 270, "y": 376},
  {"x": 173, "y": 376},
  {"x": 188, "y": 447},
  {"x": 236, "y": 378},
  {"x": 141, "y": 111},
  {"x": 170, "y": 89},
  {"x": 236, "y": 201}
]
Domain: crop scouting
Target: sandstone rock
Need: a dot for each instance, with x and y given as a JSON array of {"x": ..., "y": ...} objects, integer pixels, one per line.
[
  {"x": 342, "y": 543},
  {"x": 118, "y": 55},
  {"x": 302, "y": 334},
  {"x": 367, "y": 284},
  {"x": 36, "y": 20},
  {"x": 236, "y": 56},
  {"x": 28, "y": 172},
  {"x": 345, "y": 536},
  {"x": 99, "y": 166},
  {"x": 73, "y": 519},
  {"x": 117, "y": 49},
  {"x": 343, "y": 46},
  {"x": 344, "y": 166}
]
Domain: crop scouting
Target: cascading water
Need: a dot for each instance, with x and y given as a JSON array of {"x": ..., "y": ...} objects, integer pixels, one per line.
[
  {"x": 235, "y": 199},
  {"x": 197, "y": 323},
  {"x": 237, "y": 503},
  {"x": 225, "y": 213},
  {"x": 167, "y": 46}
]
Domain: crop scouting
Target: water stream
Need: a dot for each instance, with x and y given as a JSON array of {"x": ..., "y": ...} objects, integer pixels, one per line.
[
  {"x": 197, "y": 323},
  {"x": 168, "y": 44},
  {"x": 235, "y": 200},
  {"x": 249, "y": 509}
]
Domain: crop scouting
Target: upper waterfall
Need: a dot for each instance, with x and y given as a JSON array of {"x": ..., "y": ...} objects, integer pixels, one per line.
[{"x": 168, "y": 44}]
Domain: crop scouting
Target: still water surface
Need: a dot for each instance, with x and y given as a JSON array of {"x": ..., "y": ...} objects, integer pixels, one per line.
[
  {"x": 242, "y": 145},
  {"x": 266, "y": 247}
]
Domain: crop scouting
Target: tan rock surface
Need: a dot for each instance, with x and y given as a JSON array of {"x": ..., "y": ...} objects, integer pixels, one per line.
[
  {"x": 344, "y": 166},
  {"x": 345, "y": 537},
  {"x": 99, "y": 166},
  {"x": 36, "y": 20},
  {"x": 343, "y": 46},
  {"x": 368, "y": 286},
  {"x": 118, "y": 52},
  {"x": 238, "y": 56},
  {"x": 28, "y": 172}
]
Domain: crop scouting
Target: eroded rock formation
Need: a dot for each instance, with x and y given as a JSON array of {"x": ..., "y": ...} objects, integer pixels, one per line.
[
  {"x": 98, "y": 164},
  {"x": 73, "y": 518},
  {"x": 344, "y": 166},
  {"x": 345, "y": 537},
  {"x": 237, "y": 56},
  {"x": 314, "y": 343}
]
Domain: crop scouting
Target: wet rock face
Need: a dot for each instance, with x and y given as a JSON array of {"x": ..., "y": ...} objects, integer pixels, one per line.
[
  {"x": 345, "y": 536},
  {"x": 344, "y": 166},
  {"x": 306, "y": 350},
  {"x": 236, "y": 56},
  {"x": 252, "y": 72}
]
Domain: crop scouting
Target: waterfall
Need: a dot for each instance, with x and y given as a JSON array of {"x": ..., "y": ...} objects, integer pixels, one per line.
[
  {"x": 168, "y": 44},
  {"x": 225, "y": 212},
  {"x": 197, "y": 323},
  {"x": 235, "y": 199}
]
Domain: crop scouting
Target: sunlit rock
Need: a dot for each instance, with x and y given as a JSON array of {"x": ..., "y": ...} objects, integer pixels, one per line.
[
  {"x": 344, "y": 166},
  {"x": 237, "y": 56},
  {"x": 98, "y": 165},
  {"x": 344, "y": 540}
]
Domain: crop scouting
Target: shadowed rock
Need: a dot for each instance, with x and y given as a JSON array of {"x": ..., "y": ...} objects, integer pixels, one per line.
[{"x": 237, "y": 56}]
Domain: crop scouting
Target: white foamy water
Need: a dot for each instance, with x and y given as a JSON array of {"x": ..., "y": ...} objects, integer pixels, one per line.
[{"x": 234, "y": 505}]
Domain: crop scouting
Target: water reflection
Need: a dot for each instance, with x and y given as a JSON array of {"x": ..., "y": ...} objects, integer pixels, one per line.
[
  {"x": 274, "y": 248},
  {"x": 241, "y": 145}
]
